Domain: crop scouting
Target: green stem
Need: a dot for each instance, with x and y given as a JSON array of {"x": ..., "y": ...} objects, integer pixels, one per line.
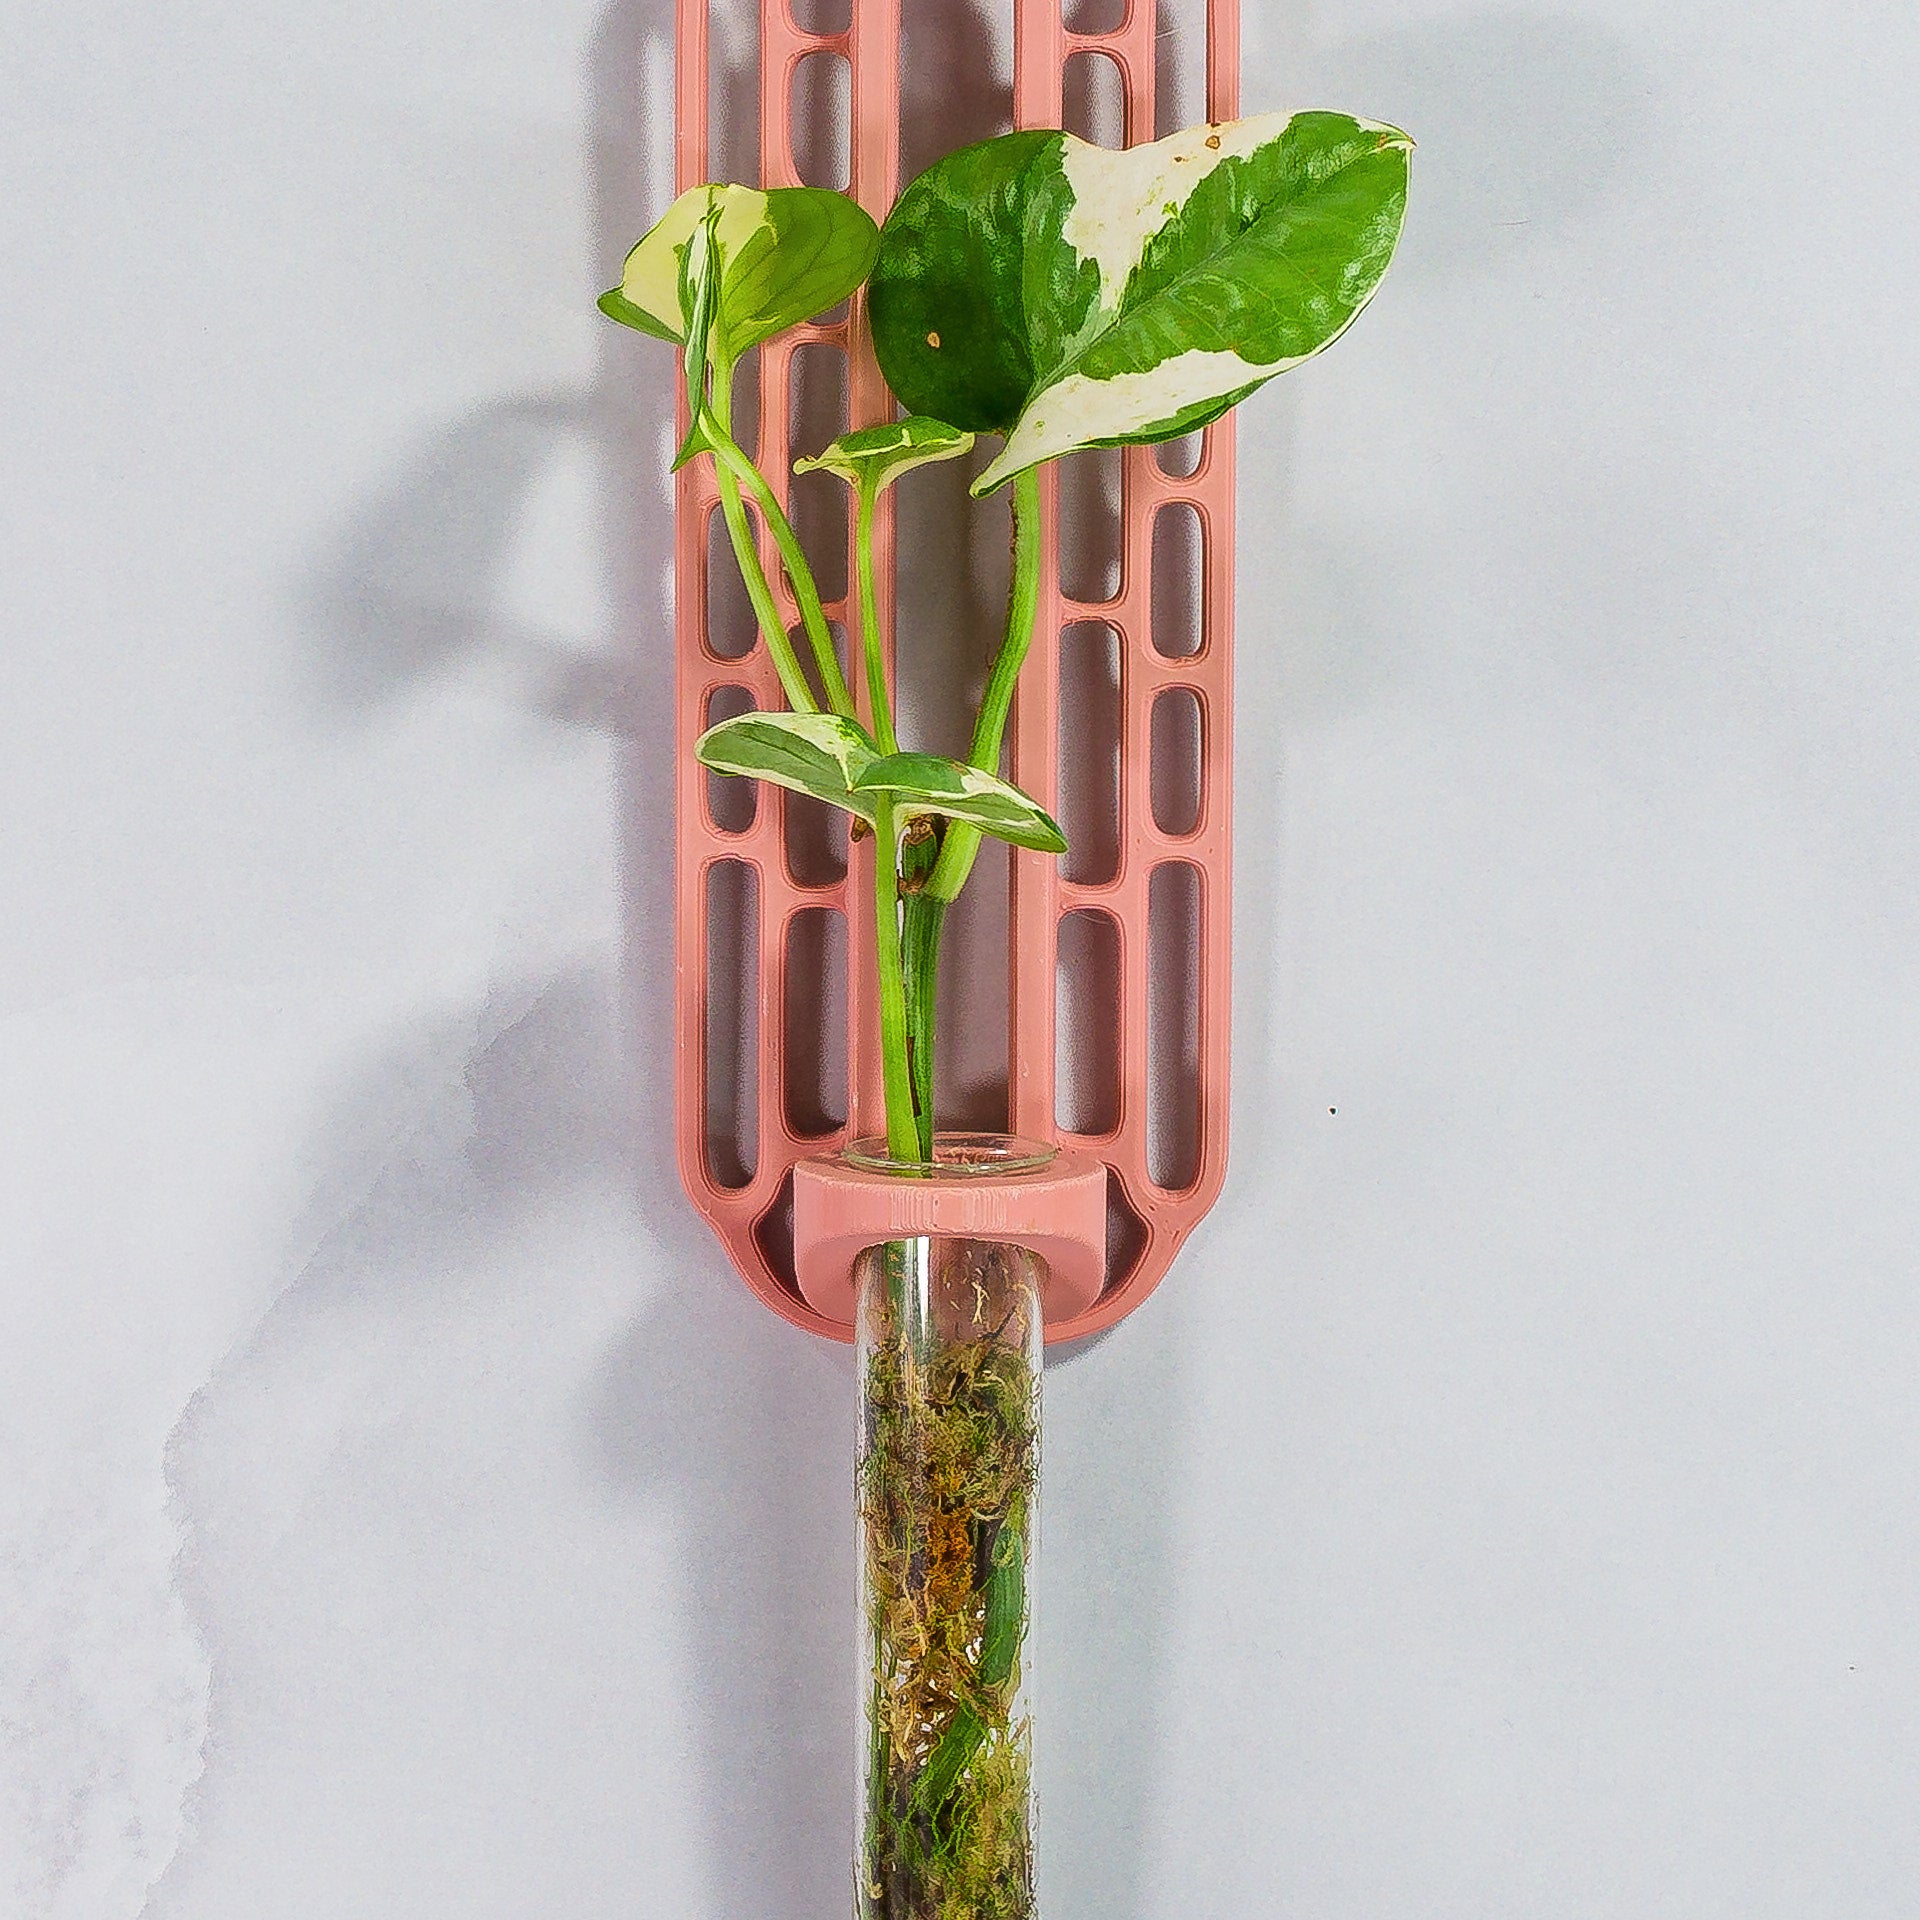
[
  {"x": 921, "y": 921},
  {"x": 926, "y": 905},
  {"x": 962, "y": 842},
  {"x": 902, "y": 1136},
  {"x": 746, "y": 551},
  {"x": 916, "y": 859},
  {"x": 779, "y": 648},
  {"x": 812, "y": 615},
  {"x": 878, "y": 697},
  {"x": 733, "y": 468}
]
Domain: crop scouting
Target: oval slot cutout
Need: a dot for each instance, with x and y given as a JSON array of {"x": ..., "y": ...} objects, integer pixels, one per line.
[
  {"x": 971, "y": 1045},
  {"x": 822, "y": 110},
  {"x": 816, "y": 397},
  {"x": 732, "y": 799},
  {"x": 1093, "y": 98},
  {"x": 733, "y": 90},
  {"x": 815, "y": 836},
  {"x": 773, "y": 1235},
  {"x": 1179, "y": 765},
  {"x": 818, "y": 504},
  {"x": 1086, "y": 1028},
  {"x": 809, "y": 667},
  {"x": 746, "y": 402},
  {"x": 732, "y": 630},
  {"x": 1179, "y": 562},
  {"x": 1126, "y": 1234},
  {"x": 1090, "y": 525},
  {"x": 1174, "y": 934},
  {"x": 731, "y": 1069},
  {"x": 1179, "y": 66},
  {"x": 816, "y": 1022},
  {"x": 953, "y": 60},
  {"x": 1089, "y": 789},
  {"x": 1180, "y": 459},
  {"x": 822, "y": 16}
]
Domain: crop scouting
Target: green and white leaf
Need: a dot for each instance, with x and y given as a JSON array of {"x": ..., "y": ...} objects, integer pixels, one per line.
[
  {"x": 822, "y": 754},
  {"x": 784, "y": 256},
  {"x": 930, "y": 783},
  {"x": 875, "y": 457},
  {"x": 1076, "y": 296}
]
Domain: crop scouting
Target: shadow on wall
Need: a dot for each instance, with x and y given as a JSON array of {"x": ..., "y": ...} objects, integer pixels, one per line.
[{"x": 412, "y": 590}]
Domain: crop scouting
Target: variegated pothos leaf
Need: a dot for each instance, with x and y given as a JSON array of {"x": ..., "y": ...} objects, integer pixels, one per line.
[
  {"x": 875, "y": 457},
  {"x": 931, "y": 783},
  {"x": 1074, "y": 296},
  {"x": 822, "y": 754},
  {"x": 784, "y": 256}
]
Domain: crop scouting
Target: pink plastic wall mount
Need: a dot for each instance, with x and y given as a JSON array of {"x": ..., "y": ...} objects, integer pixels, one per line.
[
  {"x": 760, "y": 1216},
  {"x": 1059, "y": 1211}
]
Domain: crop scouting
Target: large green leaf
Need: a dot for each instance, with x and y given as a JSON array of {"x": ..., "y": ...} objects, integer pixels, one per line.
[
  {"x": 818, "y": 753},
  {"x": 784, "y": 256},
  {"x": 875, "y": 457},
  {"x": 930, "y": 783},
  {"x": 946, "y": 303},
  {"x": 1074, "y": 296}
]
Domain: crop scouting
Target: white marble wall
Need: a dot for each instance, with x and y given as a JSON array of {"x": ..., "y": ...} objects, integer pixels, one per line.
[{"x": 1506, "y": 1509}]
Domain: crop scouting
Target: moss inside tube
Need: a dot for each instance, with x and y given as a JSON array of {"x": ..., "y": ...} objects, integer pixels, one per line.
[{"x": 948, "y": 1481}]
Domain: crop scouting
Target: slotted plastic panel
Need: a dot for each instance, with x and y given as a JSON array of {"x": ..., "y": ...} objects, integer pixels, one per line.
[{"x": 1151, "y": 1220}]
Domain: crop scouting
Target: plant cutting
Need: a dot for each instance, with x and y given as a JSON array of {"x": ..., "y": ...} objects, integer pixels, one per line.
[{"x": 1060, "y": 297}]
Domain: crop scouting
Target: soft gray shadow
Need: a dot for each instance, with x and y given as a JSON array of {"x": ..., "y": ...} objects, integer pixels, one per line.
[
  {"x": 743, "y": 1428},
  {"x": 410, "y": 590},
  {"x": 442, "y": 1148}
]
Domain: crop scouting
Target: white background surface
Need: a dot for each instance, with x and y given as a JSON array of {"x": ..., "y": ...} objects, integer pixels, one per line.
[{"x": 1508, "y": 1508}]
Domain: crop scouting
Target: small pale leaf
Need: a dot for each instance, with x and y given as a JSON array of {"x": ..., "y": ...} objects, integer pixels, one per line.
[
  {"x": 785, "y": 256},
  {"x": 821, "y": 754},
  {"x": 876, "y": 457}
]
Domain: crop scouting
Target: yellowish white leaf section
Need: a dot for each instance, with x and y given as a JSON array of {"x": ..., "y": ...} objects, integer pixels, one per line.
[
  {"x": 1122, "y": 199},
  {"x": 880, "y": 454},
  {"x": 651, "y": 276},
  {"x": 1078, "y": 412}
]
